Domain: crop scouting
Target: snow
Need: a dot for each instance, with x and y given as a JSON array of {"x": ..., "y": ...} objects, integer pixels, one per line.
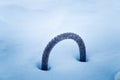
[
  {"x": 26, "y": 27},
  {"x": 117, "y": 76}
]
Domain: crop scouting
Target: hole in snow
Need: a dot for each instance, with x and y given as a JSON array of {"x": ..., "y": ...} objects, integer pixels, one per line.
[
  {"x": 39, "y": 67},
  {"x": 78, "y": 59}
]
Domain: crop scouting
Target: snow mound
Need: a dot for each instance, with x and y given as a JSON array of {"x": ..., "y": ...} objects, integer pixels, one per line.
[{"x": 26, "y": 26}]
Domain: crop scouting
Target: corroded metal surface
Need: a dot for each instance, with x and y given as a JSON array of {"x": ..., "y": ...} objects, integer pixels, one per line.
[{"x": 59, "y": 38}]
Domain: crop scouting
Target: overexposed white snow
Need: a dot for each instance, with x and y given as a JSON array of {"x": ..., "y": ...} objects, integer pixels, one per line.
[{"x": 26, "y": 26}]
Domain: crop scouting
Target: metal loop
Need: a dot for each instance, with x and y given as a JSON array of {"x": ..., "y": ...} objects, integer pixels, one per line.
[{"x": 59, "y": 38}]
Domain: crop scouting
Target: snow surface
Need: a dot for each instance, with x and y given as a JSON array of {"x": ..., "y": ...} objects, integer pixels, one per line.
[{"x": 26, "y": 26}]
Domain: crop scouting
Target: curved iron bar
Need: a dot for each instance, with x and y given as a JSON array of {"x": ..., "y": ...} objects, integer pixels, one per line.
[{"x": 59, "y": 38}]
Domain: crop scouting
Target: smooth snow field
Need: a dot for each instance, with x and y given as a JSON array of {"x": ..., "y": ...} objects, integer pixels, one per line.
[{"x": 26, "y": 27}]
